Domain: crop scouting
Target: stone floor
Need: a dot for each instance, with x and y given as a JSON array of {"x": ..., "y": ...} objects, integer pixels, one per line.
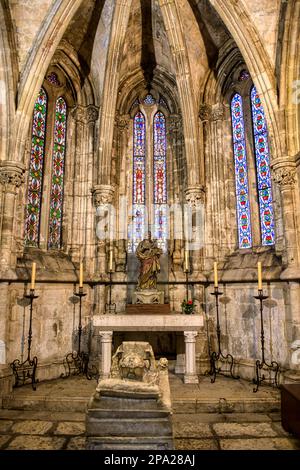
[{"x": 226, "y": 415}]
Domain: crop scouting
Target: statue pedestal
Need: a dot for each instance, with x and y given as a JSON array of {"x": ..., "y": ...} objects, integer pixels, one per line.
[{"x": 148, "y": 297}]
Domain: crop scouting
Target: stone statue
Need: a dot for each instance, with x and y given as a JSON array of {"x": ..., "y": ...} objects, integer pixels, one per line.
[{"x": 148, "y": 254}]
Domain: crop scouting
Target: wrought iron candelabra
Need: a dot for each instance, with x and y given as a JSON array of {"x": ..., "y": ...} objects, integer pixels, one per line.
[
  {"x": 77, "y": 362},
  {"x": 261, "y": 367},
  {"x": 217, "y": 357},
  {"x": 25, "y": 372},
  {"x": 110, "y": 307}
]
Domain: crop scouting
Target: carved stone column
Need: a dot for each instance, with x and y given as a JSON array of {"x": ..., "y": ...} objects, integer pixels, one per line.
[
  {"x": 103, "y": 195},
  {"x": 122, "y": 126},
  {"x": 190, "y": 375},
  {"x": 77, "y": 196},
  {"x": 194, "y": 224},
  {"x": 176, "y": 182},
  {"x": 11, "y": 178},
  {"x": 106, "y": 343},
  {"x": 284, "y": 174},
  {"x": 219, "y": 171}
]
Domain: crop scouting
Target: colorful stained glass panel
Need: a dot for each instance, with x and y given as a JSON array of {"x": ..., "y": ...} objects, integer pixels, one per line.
[
  {"x": 137, "y": 228},
  {"x": 262, "y": 156},
  {"x": 160, "y": 179},
  {"x": 241, "y": 172},
  {"x": 35, "y": 180},
  {"x": 57, "y": 180}
]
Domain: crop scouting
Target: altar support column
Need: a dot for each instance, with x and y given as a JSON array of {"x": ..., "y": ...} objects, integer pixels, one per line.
[
  {"x": 190, "y": 376},
  {"x": 106, "y": 341}
]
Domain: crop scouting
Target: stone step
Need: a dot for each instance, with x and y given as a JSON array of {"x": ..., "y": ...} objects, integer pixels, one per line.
[
  {"x": 130, "y": 443},
  {"x": 222, "y": 405},
  {"x": 132, "y": 414},
  {"x": 42, "y": 403},
  {"x": 185, "y": 405},
  {"x": 128, "y": 427}
]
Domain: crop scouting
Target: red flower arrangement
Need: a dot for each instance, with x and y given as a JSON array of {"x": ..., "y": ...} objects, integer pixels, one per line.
[{"x": 188, "y": 306}]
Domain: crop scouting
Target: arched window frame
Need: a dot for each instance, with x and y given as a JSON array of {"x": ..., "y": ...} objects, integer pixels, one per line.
[
  {"x": 50, "y": 234},
  {"x": 258, "y": 223},
  {"x": 154, "y": 208}
]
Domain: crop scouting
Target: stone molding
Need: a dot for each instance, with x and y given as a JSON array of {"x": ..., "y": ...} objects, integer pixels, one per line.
[
  {"x": 175, "y": 123},
  {"x": 86, "y": 114},
  {"x": 209, "y": 112},
  {"x": 103, "y": 194},
  {"x": 12, "y": 174},
  {"x": 195, "y": 195},
  {"x": 284, "y": 176}
]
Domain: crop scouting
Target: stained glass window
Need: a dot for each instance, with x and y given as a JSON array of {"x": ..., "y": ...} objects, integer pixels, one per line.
[
  {"x": 139, "y": 198},
  {"x": 149, "y": 100},
  {"x": 35, "y": 180},
  {"x": 57, "y": 177},
  {"x": 241, "y": 172},
  {"x": 262, "y": 157},
  {"x": 160, "y": 179}
]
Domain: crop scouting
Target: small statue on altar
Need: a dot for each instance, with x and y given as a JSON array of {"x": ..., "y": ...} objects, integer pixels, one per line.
[{"x": 148, "y": 254}]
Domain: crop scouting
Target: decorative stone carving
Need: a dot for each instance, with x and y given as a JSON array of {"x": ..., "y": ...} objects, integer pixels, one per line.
[
  {"x": 211, "y": 113},
  {"x": 11, "y": 175},
  {"x": 122, "y": 121},
  {"x": 195, "y": 195},
  {"x": 134, "y": 361},
  {"x": 86, "y": 114},
  {"x": 284, "y": 176},
  {"x": 148, "y": 297},
  {"x": 103, "y": 194}
]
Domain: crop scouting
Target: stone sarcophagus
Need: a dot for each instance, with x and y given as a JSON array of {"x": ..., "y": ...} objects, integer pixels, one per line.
[{"x": 132, "y": 408}]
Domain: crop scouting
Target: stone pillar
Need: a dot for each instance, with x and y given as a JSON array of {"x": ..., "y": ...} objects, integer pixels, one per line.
[
  {"x": 82, "y": 125},
  {"x": 194, "y": 224},
  {"x": 106, "y": 344},
  {"x": 11, "y": 178},
  {"x": 190, "y": 376},
  {"x": 103, "y": 197},
  {"x": 284, "y": 174}
]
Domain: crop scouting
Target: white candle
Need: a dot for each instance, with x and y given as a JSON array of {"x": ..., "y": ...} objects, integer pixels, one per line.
[
  {"x": 259, "y": 276},
  {"x": 110, "y": 265},
  {"x": 186, "y": 261},
  {"x": 81, "y": 275},
  {"x": 33, "y": 272},
  {"x": 215, "y": 274}
]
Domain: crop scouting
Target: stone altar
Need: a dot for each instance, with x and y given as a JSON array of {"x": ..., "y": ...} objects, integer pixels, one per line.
[
  {"x": 188, "y": 324},
  {"x": 131, "y": 409}
]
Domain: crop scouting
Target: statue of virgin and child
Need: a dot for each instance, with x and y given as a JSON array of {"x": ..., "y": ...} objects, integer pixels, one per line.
[{"x": 148, "y": 254}]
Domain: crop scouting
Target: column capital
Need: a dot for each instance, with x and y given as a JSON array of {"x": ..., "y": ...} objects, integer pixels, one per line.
[
  {"x": 103, "y": 194},
  {"x": 190, "y": 336},
  {"x": 208, "y": 112},
  {"x": 284, "y": 173},
  {"x": 85, "y": 114},
  {"x": 106, "y": 336},
  {"x": 122, "y": 121},
  {"x": 12, "y": 174},
  {"x": 195, "y": 195}
]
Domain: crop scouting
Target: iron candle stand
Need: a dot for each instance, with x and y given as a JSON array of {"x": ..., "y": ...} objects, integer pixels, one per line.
[
  {"x": 26, "y": 371},
  {"x": 262, "y": 365},
  {"x": 110, "y": 307},
  {"x": 78, "y": 361},
  {"x": 219, "y": 356}
]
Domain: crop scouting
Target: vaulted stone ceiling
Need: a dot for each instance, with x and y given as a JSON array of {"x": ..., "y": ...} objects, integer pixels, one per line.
[{"x": 146, "y": 48}]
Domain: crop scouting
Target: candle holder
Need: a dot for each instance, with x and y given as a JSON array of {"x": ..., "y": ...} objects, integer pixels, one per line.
[
  {"x": 187, "y": 284},
  {"x": 110, "y": 307},
  {"x": 217, "y": 357},
  {"x": 261, "y": 367},
  {"x": 25, "y": 372},
  {"x": 77, "y": 362}
]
